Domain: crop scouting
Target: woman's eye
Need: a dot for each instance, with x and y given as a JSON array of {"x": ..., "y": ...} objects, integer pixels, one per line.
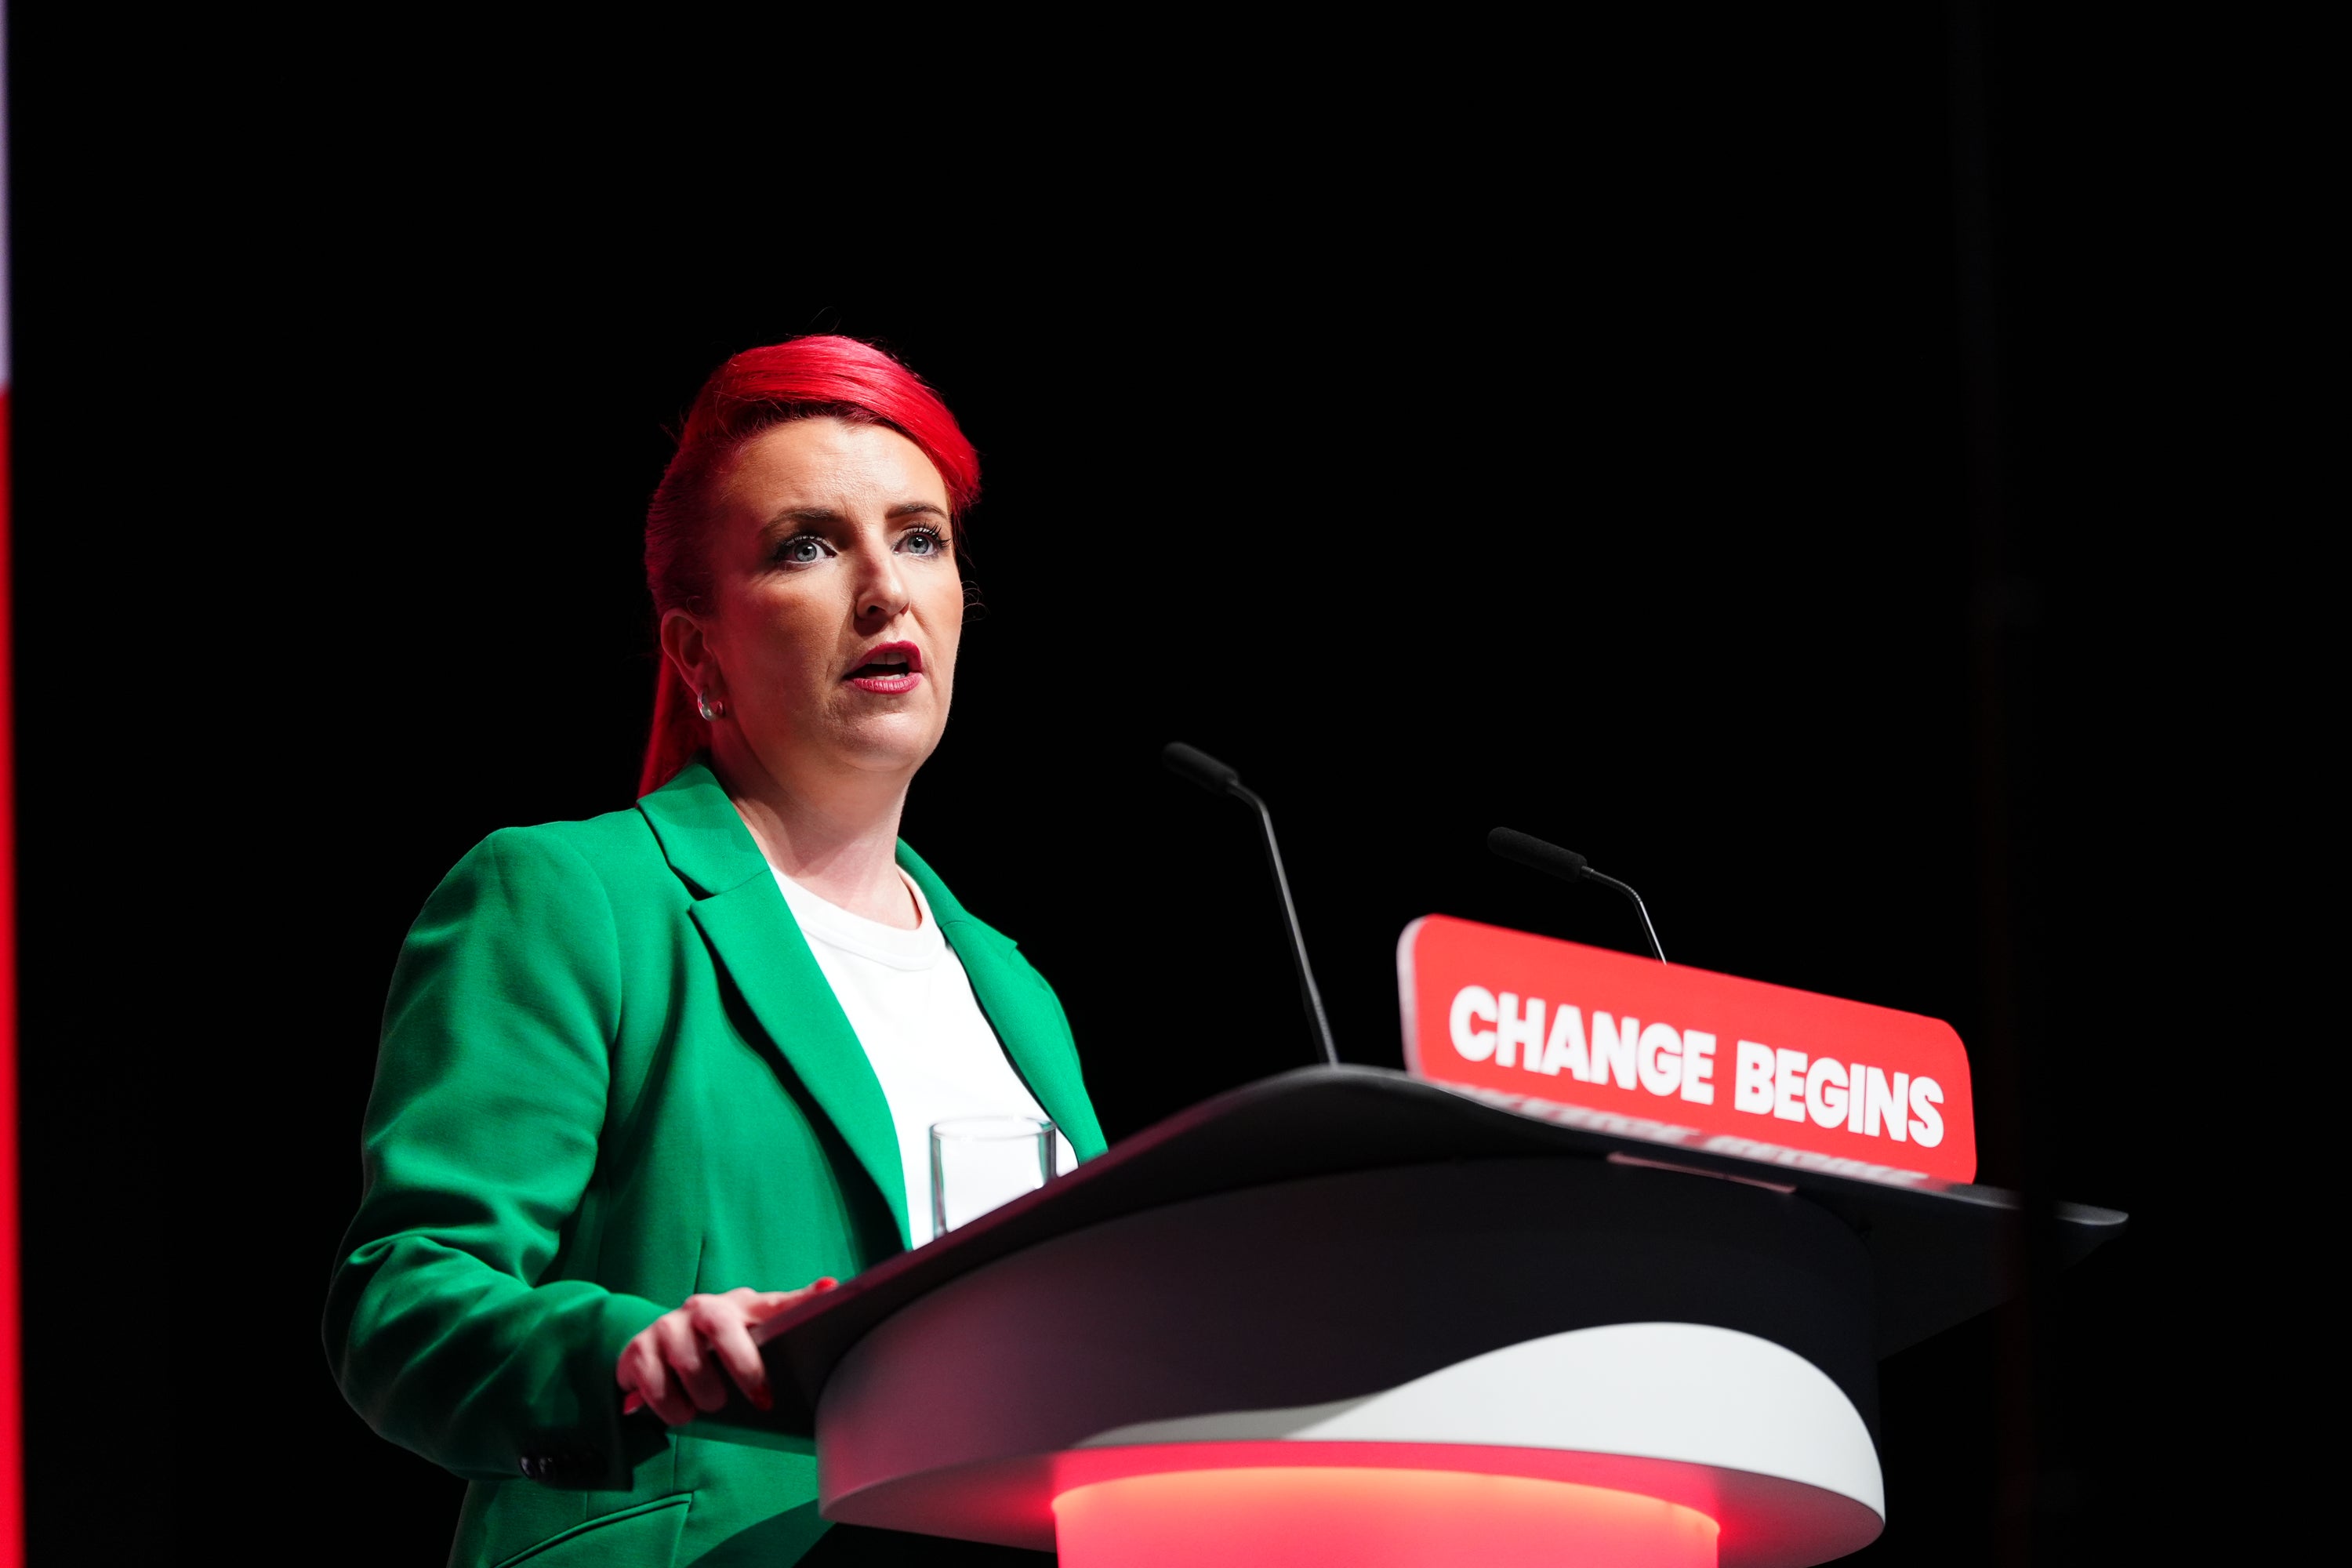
[
  {"x": 801, "y": 551},
  {"x": 924, "y": 542}
]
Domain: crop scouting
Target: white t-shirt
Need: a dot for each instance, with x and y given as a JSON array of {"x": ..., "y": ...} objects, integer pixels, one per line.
[{"x": 906, "y": 995}]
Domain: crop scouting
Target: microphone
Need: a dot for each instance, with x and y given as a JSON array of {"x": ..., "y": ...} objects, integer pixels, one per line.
[
  {"x": 1192, "y": 763},
  {"x": 1569, "y": 867}
]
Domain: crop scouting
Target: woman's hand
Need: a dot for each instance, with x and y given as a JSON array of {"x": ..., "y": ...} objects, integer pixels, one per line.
[{"x": 674, "y": 1362}]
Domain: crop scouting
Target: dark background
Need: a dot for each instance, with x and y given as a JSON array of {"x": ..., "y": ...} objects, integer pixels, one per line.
[{"x": 1778, "y": 458}]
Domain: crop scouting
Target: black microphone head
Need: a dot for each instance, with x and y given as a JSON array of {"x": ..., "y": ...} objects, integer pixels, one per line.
[
  {"x": 1192, "y": 763},
  {"x": 1536, "y": 855}
]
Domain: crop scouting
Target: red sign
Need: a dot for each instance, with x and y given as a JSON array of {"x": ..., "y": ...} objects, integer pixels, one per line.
[{"x": 1677, "y": 1055}]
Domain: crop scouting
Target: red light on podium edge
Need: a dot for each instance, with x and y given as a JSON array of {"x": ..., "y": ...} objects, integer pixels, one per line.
[{"x": 1281, "y": 1518}]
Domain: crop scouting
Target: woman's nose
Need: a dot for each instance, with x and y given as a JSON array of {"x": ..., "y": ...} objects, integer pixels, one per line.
[{"x": 881, "y": 588}]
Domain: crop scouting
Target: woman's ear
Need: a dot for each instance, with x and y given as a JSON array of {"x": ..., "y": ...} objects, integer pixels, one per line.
[{"x": 688, "y": 647}]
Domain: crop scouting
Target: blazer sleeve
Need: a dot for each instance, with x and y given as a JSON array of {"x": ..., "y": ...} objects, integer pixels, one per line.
[{"x": 479, "y": 1142}]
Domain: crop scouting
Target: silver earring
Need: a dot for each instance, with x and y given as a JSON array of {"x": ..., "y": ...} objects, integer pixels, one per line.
[{"x": 707, "y": 707}]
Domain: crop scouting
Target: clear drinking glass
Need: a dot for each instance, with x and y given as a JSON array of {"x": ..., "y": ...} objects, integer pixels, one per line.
[{"x": 981, "y": 1163}]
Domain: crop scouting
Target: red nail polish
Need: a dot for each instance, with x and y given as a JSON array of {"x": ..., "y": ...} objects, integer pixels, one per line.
[
  {"x": 827, "y": 1283},
  {"x": 632, "y": 1404},
  {"x": 763, "y": 1399}
]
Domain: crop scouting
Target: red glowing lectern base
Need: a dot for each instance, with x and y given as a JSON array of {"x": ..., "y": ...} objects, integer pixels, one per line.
[
  {"x": 1344, "y": 1317},
  {"x": 1371, "y": 1518}
]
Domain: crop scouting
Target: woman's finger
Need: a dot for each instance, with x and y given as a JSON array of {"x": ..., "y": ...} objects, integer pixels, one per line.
[
  {"x": 730, "y": 1339},
  {"x": 642, "y": 1370},
  {"x": 725, "y": 1324},
  {"x": 682, "y": 1347},
  {"x": 638, "y": 1363},
  {"x": 766, "y": 1304}
]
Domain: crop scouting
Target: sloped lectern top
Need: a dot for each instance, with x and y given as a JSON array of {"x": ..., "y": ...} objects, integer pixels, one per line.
[{"x": 1939, "y": 1253}]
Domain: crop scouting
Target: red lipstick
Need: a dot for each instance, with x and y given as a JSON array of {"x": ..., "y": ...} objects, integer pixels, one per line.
[{"x": 889, "y": 668}]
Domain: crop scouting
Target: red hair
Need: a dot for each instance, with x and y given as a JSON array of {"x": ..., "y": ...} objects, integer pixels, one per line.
[{"x": 807, "y": 378}]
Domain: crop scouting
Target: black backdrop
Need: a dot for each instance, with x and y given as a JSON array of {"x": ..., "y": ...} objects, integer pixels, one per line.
[{"x": 1761, "y": 484}]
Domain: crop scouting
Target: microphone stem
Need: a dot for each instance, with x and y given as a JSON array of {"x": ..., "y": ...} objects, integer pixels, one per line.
[
  {"x": 1656, "y": 950},
  {"x": 1306, "y": 992}
]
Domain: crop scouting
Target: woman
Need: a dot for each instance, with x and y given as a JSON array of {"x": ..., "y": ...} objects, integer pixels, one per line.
[{"x": 648, "y": 1079}]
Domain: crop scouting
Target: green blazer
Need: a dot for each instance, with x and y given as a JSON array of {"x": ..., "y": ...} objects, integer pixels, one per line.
[{"x": 611, "y": 1076}]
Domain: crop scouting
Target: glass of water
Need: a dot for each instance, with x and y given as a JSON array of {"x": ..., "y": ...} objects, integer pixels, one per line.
[{"x": 982, "y": 1163}]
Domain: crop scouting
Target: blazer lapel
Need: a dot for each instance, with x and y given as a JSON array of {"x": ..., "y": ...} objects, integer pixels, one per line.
[
  {"x": 1021, "y": 1008},
  {"x": 751, "y": 933}
]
